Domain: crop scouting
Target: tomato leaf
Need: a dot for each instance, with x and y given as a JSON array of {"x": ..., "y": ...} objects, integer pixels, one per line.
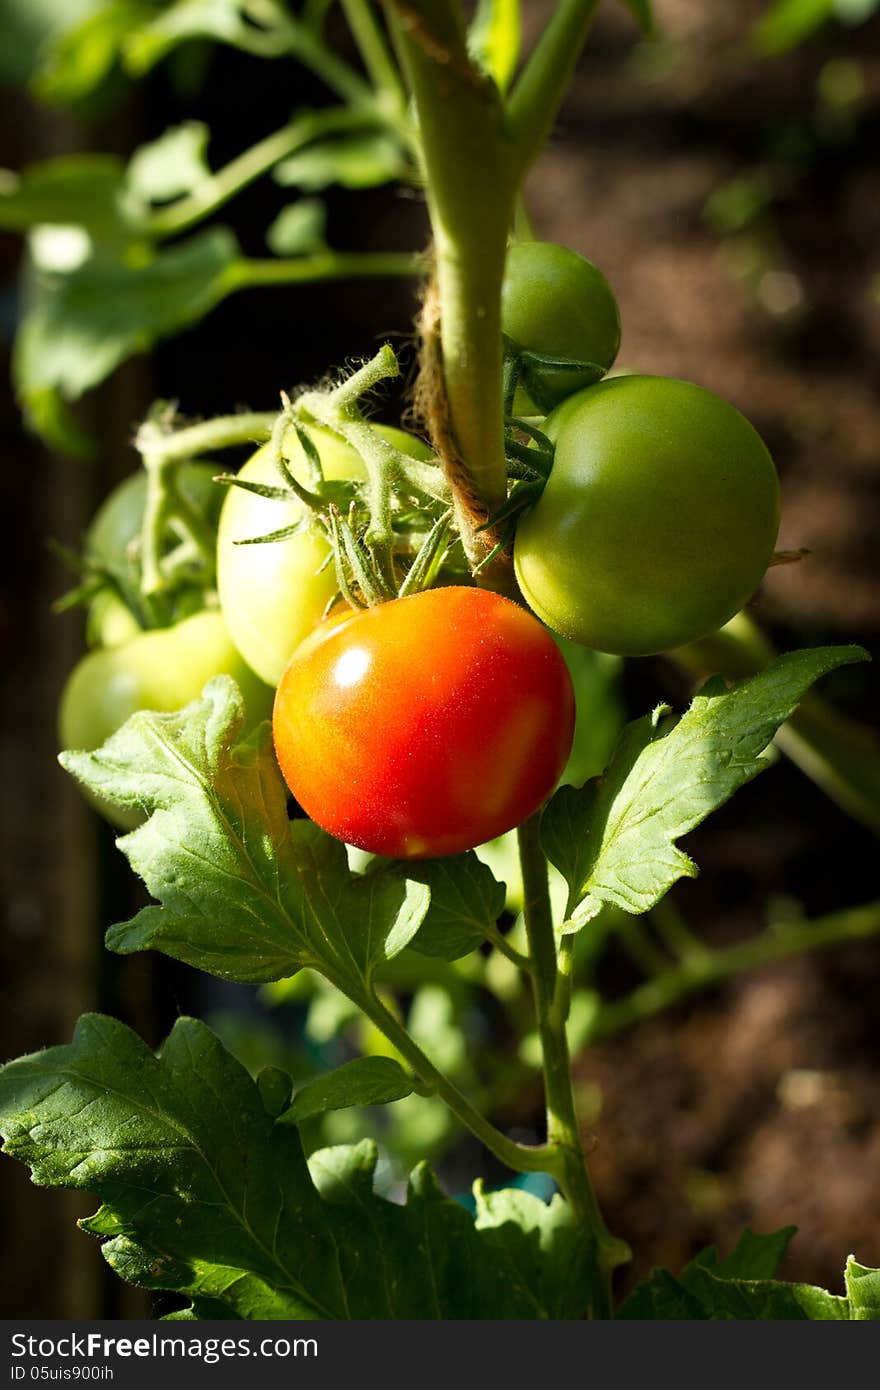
[
  {"x": 82, "y": 322},
  {"x": 172, "y": 165},
  {"x": 551, "y": 1254},
  {"x": 87, "y": 191},
  {"x": 76, "y": 60},
  {"x": 147, "y": 43},
  {"x": 755, "y": 1257},
  {"x": 466, "y": 900},
  {"x": 299, "y": 229},
  {"x": 244, "y": 893},
  {"x": 204, "y": 1194},
  {"x": 364, "y": 159},
  {"x": 614, "y": 840},
  {"x": 365, "y": 1081},
  {"x": 863, "y": 1291},
  {"x": 495, "y": 37},
  {"x": 741, "y": 1288}
]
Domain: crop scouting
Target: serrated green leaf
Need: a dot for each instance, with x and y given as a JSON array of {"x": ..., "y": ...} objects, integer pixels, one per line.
[
  {"x": 243, "y": 893},
  {"x": 661, "y": 1298},
  {"x": 80, "y": 325},
  {"x": 365, "y": 1081},
  {"x": 73, "y": 190},
  {"x": 614, "y": 840},
  {"x": 495, "y": 38},
  {"x": 763, "y": 1300},
  {"x": 551, "y": 1253},
  {"x": 466, "y": 902},
  {"x": 364, "y": 159},
  {"x": 755, "y": 1257},
  {"x": 205, "y": 1195},
  {"x": 275, "y": 1087},
  {"x": 863, "y": 1291},
  {"x": 172, "y": 165},
  {"x": 299, "y": 229},
  {"x": 709, "y": 1297}
]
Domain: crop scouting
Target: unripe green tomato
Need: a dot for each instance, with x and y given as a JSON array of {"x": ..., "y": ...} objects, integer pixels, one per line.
[
  {"x": 111, "y": 545},
  {"x": 273, "y": 595},
  {"x": 161, "y": 670},
  {"x": 118, "y": 520},
  {"x": 657, "y": 522},
  {"x": 110, "y": 621},
  {"x": 557, "y": 303}
]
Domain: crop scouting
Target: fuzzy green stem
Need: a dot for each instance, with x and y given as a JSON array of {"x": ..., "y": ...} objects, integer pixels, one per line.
[
  {"x": 702, "y": 970},
  {"x": 246, "y": 273},
  {"x": 223, "y": 185},
  {"x": 377, "y": 58},
  {"x": 471, "y": 185},
  {"x": 552, "y": 991},
  {"x": 537, "y": 95},
  {"x": 223, "y": 432},
  {"x": 522, "y": 1158}
]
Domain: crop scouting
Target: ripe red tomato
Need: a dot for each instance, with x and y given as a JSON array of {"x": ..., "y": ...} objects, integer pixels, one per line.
[{"x": 427, "y": 725}]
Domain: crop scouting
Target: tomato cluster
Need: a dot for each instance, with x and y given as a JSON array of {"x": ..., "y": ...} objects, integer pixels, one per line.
[{"x": 428, "y": 724}]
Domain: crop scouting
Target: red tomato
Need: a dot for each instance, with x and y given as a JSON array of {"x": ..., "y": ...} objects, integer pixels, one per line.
[{"x": 427, "y": 725}]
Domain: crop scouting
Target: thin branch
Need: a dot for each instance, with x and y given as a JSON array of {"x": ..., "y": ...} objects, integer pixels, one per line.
[{"x": 535, "y": 100}]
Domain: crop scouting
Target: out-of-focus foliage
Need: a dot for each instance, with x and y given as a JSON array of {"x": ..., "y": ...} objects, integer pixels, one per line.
[{"x": 788, "y": 23}]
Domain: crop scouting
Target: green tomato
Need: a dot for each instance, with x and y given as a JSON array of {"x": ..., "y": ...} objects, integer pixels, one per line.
[
  {"x": 110, "y": 621},
  {"x": 556, "y": 303},
  {"x": 111, "y": 545},
  {"x": 161, "y": 670},
  {"x": 657, "y": 522},
  {"x": 273, "y": 595}
]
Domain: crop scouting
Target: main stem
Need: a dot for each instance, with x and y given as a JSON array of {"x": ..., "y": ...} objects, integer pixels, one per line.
[
  {"x": 471, "y": 183},
  {"x": 551, "y": 983}
]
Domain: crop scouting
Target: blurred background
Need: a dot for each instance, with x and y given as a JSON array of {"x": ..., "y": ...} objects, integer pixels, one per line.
[{"x": 724, "y": 176}]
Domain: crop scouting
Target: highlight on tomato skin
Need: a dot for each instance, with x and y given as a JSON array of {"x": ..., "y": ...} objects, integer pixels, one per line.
[{"x": 427, "y": 725}]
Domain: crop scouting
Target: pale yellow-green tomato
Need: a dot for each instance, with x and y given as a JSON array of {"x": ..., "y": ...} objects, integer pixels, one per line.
[
  {"x": 273, "y": 595},
  {"x": 163, "y": 670}
]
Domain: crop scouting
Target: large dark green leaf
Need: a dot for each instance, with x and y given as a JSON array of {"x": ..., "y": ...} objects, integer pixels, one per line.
[
  {"x": 203, "y": 1193},
  {"x": 81, "y": 323},
  {"x": 81, "y": 190},
  {"x": 466, "y": 902},
  {"x": 243, "y": 893},
  {"x": 614, "y": 840},
  {"x": 364, "y": 1081}
]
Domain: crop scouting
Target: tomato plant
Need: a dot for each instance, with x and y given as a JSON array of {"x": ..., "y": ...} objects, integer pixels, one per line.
[
  {"x": 112, "y": 553},
  {"x": 272, "y": 594},
  {"x": 163, "y": 670},
  {"x": 430, "y": 712},
  {"x": 557, "y": 304},
  {"x": 427, "y": 725},
  {"x": 658, "y": 520}
]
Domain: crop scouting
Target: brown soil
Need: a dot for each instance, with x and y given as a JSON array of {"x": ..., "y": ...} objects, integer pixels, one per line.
[{"x": 759, "y": 1105}]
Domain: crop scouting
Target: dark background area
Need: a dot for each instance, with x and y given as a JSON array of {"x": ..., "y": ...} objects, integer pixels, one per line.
[{"x": 758, "y": 1104}]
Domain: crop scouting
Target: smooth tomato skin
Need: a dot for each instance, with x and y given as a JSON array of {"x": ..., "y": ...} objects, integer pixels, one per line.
[
  {"x": 427, "y": 725},
  {"x": 557, "y": 303},
  {"x": 273, "y": 595},
  {"x": 657, "y": 522},
  {"x": 161, "y": 670}
]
